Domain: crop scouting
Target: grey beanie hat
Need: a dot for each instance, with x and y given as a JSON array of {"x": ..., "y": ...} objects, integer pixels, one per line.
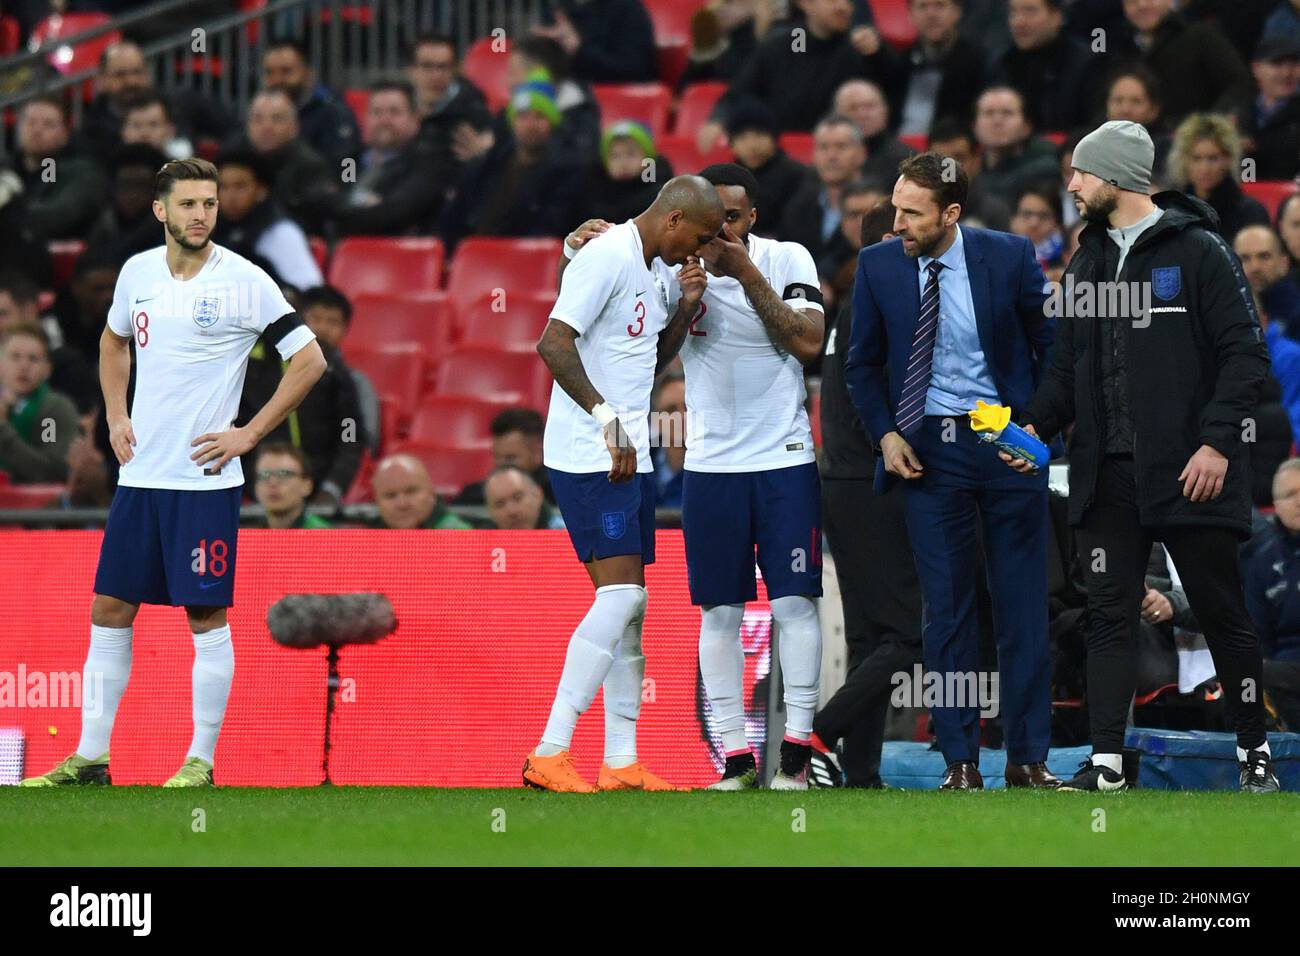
[{"x": 1120, "y": 152}]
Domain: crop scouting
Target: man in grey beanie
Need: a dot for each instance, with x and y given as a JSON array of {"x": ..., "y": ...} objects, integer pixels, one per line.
[{"x": 1158, "y": 364}]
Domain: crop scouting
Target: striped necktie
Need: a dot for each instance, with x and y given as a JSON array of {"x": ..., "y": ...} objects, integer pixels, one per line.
[{"x": 911, "y": 407}]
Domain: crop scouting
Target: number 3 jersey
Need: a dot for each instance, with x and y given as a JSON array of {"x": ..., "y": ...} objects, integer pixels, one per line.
[
  {"x": 744, "y": 395},
  {"x": 192, "y": 341},
  {"x": 619, "y": 307}
]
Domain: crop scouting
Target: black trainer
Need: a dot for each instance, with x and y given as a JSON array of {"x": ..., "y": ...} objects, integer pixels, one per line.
[
  {"x": 1257, "y": 774},
  {"x": 823, "y": 765},
  {"x": 740, "y": 773},
  {"x": 794, "y": 757},
  {"x": 1092, "y": 776}
]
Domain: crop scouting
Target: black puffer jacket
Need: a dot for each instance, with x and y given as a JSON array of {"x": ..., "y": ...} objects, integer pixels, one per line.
[{"x": 1196, "y": 365}]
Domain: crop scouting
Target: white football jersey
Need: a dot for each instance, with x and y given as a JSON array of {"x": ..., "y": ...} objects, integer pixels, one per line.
[
  {"x": 744, "y": 395},
  {"x": 619, "y": 307},
  {"x": 192, "y": 340}
]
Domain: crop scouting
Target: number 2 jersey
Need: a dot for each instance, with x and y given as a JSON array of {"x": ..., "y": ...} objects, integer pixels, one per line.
[
  {"x": 744, "y": 395},
  {"x": 192, "y": 342},
  {"x": 619, "y": 307}
]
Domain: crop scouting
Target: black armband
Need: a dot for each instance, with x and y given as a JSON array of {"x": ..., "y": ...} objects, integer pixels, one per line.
[
  {"x": 277, "y": 330},
  {"x": 801, "y": 290}
]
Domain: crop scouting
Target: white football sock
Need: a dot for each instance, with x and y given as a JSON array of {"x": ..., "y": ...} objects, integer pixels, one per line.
[
  {"x": 103, "y": 681},
  {"x": 214, "y": 670},
  {"x": 800, "y": 645},
  {"x": 588, "y": 660},
  {"x": 722, "y": 665},
  {"x": 1110, "y": 761},
  {"x": 1241, "y": 752},
  {"x": 623, "y": 695}
]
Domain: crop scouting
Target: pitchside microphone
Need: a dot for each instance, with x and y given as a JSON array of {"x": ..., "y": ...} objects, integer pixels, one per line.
[
  {"x": 304, "y": 621},
  {"x": 309, "y": 620}
]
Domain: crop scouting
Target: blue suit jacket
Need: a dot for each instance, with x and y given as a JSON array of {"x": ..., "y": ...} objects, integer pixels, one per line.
[{"x": 1007, "y": 289}]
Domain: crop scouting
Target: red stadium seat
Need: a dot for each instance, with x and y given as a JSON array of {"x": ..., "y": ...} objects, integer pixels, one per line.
[
  {"x": 646, "y": 102},
  {"x": 1056, "y": 137},
  {"x": 672, "y": 26},
  {"x": 696, "y": 105},
  {"x": 64, "y": 254},
  {"x": 1270, "y": 192},
  {"x": 686, "y": 157},
  {"x": 28, "y": 496},
  {"x": 454, "y": 421},
  {"x": 396, "y": 371},
  {"x": 917, "y": 141},
  {"x": 894, "y": 22},
  {"x": 359, "y": 103},
  {"x": 10, "y": 36},
  {"x": 450, "y": 469},
  {"x": 379, "y": 321},
  {"x": 387, "y": 266},
  {"x": 493, "y": 375},
  {"x": 486, "y": 68},
  {"x": 73, "y": 58},
  {"x": 514, "y": 328},
  {"x": 320, "y": 251},
  {"x": 798, "y": 145},
  {"x": 482, "y": 265}
]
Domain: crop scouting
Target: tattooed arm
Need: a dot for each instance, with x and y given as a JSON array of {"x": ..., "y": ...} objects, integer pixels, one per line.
[
  {"x": 693, "y": 280},
  {"x": 558, "y": 348},
  {"x": 797, "y": 331}
]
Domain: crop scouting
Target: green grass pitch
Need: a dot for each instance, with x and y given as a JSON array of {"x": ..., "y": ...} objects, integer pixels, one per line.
[{"x": 144, "y": 826}]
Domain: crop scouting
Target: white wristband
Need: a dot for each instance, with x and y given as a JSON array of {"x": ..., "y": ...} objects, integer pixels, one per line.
[
  {"x": 604, "y": 414},
  {"x": 569, "y": 251}
]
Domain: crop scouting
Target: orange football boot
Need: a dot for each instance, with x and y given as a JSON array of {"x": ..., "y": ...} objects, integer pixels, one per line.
[
  {"x": 632, "y": 777},
  {"x": 556, "y": 774}
]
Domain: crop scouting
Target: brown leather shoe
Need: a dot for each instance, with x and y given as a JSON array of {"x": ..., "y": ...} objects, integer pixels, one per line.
[
  {"x": 1033, "y": 775},
  {"x": 962, "y": 775}
]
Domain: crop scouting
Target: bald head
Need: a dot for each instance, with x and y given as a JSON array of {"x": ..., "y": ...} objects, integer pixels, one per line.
[
  {"x": 685, "y": 215},
  {"x": 403, "y": 491},
  {"x": 1262, "y": 257}
]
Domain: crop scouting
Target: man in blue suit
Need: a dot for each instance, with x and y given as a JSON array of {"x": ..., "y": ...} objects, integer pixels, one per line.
[{"x": 942, "y": 317}]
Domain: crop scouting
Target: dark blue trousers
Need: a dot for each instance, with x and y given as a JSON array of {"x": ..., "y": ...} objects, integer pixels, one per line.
[{"x": 964, "y": 481}]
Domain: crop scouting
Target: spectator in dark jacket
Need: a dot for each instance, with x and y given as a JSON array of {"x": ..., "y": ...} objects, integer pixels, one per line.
[
  {"x": 328, "y": 313},
  {"x": 610, "y": 41},
  {"x": 1198, "y": 68},
  {"x": 812, "y": 216},
  {"x": 63, "y": 192},
  {"x": 723, "y": 38},
  {"x": 398, "y": 188},
  {"x": 124, "y": 72},
  {"x": 779, "y": 72},
  {"x": 37, "y": 423},
  {"x": 1048, "y": 66},
  {"x": 1011, "y": 157},
  {"x": 252, "y": 224},
  {"x": 20, "y": 248},
  {"x": 1269, "y": 122},
  {"x": 1265, "y": 264},
  {"x": 327, "y": 426},
  {"x": 80, "y": 310},
  {"x": 324, "y": 117},
  {"x": 517, "y": 442},
  {"x": 1272, "y": 583},
  {"x": 521, "y": 188},
  {"x": 127, "y": 224},
  {"x": 302, "y": 181},
  {"x": 630, "y": 174},
  {"x": 863, "y": 102},
  {"x": 1204, "y": 162},
  {"x": 941, "y": 75},
  {"x": 752, "y": 132},
  {"x": 449, "y": 104}
]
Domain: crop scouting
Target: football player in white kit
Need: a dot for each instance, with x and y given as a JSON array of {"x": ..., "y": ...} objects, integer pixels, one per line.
[
  {"x": 751, "y": 485},
  {"x": 193, "y": 311},
  {"x": 603, "y": 346}
]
